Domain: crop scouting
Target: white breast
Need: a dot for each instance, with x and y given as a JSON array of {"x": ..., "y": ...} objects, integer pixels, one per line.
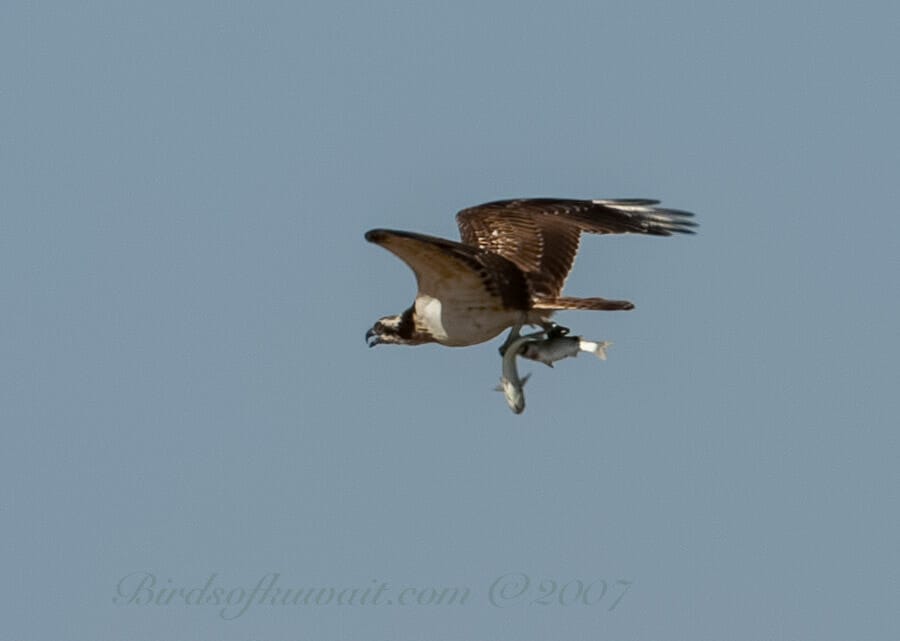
[
  {"x": 428, "y": 311},
  {"x": 458, "y": 321}
]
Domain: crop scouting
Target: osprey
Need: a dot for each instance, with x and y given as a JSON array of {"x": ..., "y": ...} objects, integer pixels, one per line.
[{"x": 509, "y": 269}]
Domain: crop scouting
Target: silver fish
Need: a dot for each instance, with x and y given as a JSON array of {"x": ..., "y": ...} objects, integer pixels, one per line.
[
  {"x": 550, "y": 350},
  {"x": 539, "y": 347},
  {"x": 511, "y": 385}
]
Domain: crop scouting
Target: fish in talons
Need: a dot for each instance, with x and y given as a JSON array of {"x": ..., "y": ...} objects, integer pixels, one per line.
[
  {"x": 546, "y": 349},
  {"x": 550, "y": 350},
  {"x": 511, "y": 385}
]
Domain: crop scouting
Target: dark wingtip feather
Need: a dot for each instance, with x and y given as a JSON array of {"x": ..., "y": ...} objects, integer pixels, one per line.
[
  {"x": 671, "y": 229},
  {"x": 665, "y": 222}
]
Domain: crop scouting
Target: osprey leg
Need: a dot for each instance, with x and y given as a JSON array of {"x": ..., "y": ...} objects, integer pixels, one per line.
[
  {"x": 554, "y": 330},
  {"x": 512, "y": 337}
]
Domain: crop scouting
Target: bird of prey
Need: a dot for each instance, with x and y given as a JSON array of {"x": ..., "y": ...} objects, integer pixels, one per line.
[{"x": 509, "y": 268}]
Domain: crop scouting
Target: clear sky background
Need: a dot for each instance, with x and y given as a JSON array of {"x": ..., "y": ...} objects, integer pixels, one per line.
[{"x": 186, "y": 391}]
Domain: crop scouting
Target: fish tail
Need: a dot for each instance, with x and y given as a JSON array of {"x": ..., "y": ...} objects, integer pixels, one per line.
[{"x": 597, "y": 349}]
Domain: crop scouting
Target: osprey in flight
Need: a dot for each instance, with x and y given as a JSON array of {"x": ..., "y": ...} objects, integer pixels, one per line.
[{"x": 509, "y": 269}]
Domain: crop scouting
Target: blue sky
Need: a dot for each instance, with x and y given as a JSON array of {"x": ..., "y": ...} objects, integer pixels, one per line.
[{"x": 187, "y": 396}]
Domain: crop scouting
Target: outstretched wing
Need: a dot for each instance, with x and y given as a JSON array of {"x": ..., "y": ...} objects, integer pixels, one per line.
[
  {"x": 445, "y": 268},
  {"x": 541, "y": 235}
]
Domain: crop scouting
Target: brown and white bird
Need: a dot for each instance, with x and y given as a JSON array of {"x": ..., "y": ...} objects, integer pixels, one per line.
[{"x": 509, "y": 269}]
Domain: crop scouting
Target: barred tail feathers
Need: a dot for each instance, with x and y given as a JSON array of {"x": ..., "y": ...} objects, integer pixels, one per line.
[{"x": 569, "y": 302}]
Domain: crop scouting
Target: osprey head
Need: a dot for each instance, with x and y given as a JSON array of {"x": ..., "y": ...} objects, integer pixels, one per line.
[{"x": 399, "y": 329}]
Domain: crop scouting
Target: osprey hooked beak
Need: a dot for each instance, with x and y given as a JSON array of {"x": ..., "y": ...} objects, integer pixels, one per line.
[{"x": 372, "y": 338}]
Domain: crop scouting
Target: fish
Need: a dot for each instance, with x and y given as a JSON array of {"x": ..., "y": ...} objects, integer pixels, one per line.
[
  {"x": 511, "y": 385},
  {"x": 556, "y": 348},
  {"x": 543, "y": 348}
]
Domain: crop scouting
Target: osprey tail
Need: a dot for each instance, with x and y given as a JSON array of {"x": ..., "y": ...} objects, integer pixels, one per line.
[{"x": 568, "y": 302}]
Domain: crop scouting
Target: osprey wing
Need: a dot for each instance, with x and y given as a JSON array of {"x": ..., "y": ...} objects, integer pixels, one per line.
[
  {"x": 443, "y": 266},
  {"x": 541, "y": 235}
]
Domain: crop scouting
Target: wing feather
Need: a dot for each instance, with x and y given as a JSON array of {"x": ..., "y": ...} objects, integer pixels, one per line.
[
  {"x": 442, "y": 265},
  {"x": 541, "y": 235}
]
